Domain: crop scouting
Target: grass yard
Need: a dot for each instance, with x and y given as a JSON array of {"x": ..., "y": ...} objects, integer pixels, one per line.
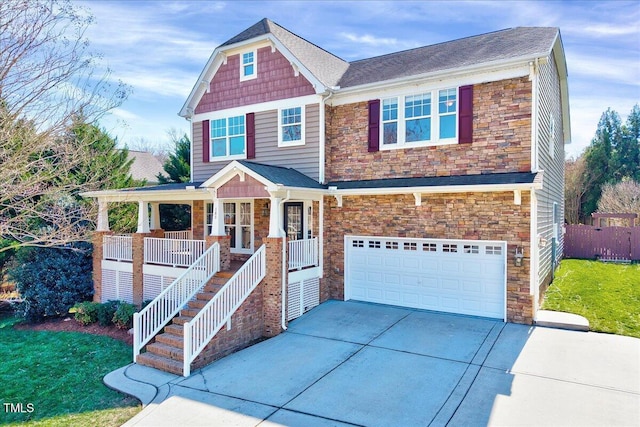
[
  {"x": 60, "y": 375},
  {"x": 607, "y": 294}
]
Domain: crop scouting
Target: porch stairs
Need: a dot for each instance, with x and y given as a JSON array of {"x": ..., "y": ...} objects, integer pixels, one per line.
[{"x": 166, "y": 350}]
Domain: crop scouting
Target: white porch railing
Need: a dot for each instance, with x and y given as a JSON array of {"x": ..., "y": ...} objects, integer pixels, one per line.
[
  {"x": 174, "y": 252},
  {"x": 150, "y": 320},
  {"x": 303, "y": 253},
  {"x": 218, "y": 311},
  {"x": 183, "y": 234},
  {"x": 117, "y": 248}
]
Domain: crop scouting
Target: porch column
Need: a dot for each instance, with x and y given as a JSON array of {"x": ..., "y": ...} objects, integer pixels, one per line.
[
  {"x": 98, "y": 251},
  {"x": 103, "y": 216},
  {"x": 275, "y": 217},
  {"x": 272, "y": 287},
  {"x": 143, "y": 217},
  {"x": 219, "y": 235},
  {"x": 217, "y": 222},
  {"x": 138, "y": 265},
  {"x": 155, "y": 216}
]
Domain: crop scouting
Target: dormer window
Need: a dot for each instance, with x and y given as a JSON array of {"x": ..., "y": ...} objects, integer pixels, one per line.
[{"x": 248, "y": 65}]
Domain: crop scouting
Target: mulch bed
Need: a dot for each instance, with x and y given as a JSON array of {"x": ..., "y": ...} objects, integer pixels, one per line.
[{"x": 69, "y": 324}]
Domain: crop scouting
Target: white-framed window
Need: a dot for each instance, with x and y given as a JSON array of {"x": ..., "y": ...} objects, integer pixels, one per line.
[
  {"x": 291, "y": 126},
  {"x": 427, "y": 118},
  {"x": 238, "y": 224},
  {"x": 228, "y": 138},
  {"x": 552, "y": 136},
  {"x": 248, "y": 65}
]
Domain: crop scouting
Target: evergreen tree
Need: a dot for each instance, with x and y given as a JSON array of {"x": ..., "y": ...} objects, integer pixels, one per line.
[
  {"x": 626, "y": 156},
  {"x": 599, "y": 158},
  {"x": 177, "y": 166},
  {"x": 178, "y": 169}
]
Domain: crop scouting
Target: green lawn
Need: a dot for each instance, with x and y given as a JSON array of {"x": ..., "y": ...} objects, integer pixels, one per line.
[
  {"x": 607, "y": 294},
  {"x": 60, "y": 374}
]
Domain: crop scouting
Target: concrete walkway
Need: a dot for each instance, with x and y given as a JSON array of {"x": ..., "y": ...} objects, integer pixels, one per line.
[{"x": 350, "y": 363}]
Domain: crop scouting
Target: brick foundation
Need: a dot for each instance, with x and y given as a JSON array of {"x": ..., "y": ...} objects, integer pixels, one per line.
[
  {"x": 225, "y": 252},
  {"x": 138, "y": 265},
  {"x": 272, "y": 287}
]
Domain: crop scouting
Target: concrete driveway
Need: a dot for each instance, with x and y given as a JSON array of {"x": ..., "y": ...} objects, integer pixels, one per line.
[{"x": 350, "y": 363}]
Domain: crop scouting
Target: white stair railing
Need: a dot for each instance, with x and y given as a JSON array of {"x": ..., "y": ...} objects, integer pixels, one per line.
[
  {"x": 218, "y": 311},
  {"x": 174, "y": 252},
  {"x": 150, "y": 320},
  {"x": 303, "y": 253}
]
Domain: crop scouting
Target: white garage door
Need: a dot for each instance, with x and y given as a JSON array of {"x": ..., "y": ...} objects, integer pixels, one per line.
[{"x": 456, "y": 276}]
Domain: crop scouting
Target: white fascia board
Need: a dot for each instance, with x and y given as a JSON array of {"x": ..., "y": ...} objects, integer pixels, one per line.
[
  {"x": 487, "y": 72},
  {"x": 561, "y": 65},
  {"x": 256, "y": 108},
  {"x": 215, "y": 60},
  {"x": 489, "y": 188},
  {"x": 228, "y": 172},
  {"x": 170, "y": 196}
]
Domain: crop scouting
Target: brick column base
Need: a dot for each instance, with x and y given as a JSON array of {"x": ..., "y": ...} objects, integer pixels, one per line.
[
  {"x": 98, "y": 251},
  {"x": 157, "y": 233},
  {"x": 272, "y": 287},
  {"x": 138, "y": 263},
  {"x": 225, "y": 249}
]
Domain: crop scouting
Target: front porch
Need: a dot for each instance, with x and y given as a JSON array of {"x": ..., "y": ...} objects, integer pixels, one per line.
[{"x": 251, "y": 261}]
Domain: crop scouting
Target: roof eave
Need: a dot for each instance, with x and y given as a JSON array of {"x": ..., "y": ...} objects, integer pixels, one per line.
[
  {"x": 449, "y": 72},
  {"x": 479, "y": 188}
]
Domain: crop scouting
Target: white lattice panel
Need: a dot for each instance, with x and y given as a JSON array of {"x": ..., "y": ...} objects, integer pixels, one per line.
[
  {"x": 125, "y": 286},
  {"x": 311, "y": 294},
  {"x": 294, "y": 298},
  {"x": 117, "y": 286},
  {"x": 154, "y": 284}
]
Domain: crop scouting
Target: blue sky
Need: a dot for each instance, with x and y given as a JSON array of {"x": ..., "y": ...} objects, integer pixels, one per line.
[{"x": 160, "y": 47}]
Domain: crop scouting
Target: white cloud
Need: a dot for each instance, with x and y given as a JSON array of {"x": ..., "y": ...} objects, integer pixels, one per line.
[{"x": 610, "y": 69}]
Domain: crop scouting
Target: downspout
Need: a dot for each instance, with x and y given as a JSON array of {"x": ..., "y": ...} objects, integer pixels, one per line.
[
  {"x": 284, "y": 263},
  {"x": 323, "y": 136}
]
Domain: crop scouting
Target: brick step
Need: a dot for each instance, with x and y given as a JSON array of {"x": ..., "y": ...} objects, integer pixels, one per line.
[
  {"x": 225, "y": 274},
  {"x": 189, "y": 312},
  {"x": 166, "y": 350},
  {"x": 174, "y": 329},
  {"x": 170, "y": 339},
  {"x": 197, "y": 304},
  {"x": 218, "y": 281},
  {"x": 207, "y": 294},
  {"x": 181, "y": 320},
  {"x": 160, "y": 362}
]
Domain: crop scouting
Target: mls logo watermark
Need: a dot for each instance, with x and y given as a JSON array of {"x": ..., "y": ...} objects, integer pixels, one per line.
[{"x": 20, "y": 408}]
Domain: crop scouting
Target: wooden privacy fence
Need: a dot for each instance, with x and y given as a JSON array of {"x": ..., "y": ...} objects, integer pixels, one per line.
[{"x": 607, "y": 243}]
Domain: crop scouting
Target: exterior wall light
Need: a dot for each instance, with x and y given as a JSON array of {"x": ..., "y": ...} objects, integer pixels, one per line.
[{"x": 517, "y": 261}]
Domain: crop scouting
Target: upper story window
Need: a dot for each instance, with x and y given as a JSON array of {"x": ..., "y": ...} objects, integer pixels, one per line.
[
  {"x": 228, "y": 137},
  {"x": 248, "y": 66},
  {"x": 290, "y": 126},
  {"x": 416, "y": 120}
]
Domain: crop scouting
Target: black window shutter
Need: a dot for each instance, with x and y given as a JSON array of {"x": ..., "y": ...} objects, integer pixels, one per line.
[
  {"x": 251, "y": 135},
  {"x": 205, "y": 141},
  {"x": 374, "y": 125},
  {"x": 465, "y": 122}
]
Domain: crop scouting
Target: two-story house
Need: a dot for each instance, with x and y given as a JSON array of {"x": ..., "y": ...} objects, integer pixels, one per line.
[{"x": 429, "y": 178}]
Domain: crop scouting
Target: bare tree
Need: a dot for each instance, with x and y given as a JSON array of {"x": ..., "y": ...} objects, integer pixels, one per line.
[
  {"x": 48, "y": 81},
  {"x": 577, "y": 183},
  {"x": 623, "y": 197}
]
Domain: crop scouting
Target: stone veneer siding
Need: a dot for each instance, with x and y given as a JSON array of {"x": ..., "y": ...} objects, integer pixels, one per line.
[
  {"x": 501, "y": 140},
  {"x": 480, "y": 216}
]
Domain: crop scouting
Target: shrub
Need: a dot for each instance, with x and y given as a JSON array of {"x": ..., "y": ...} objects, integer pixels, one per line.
[
  {"x": 52, "y": 280},
  {"x": 106, "y": 311},
  {"x": 123, "y": 317},
  {"x": 86, "y": 312}
]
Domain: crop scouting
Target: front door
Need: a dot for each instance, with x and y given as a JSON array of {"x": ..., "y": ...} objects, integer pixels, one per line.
[{"x": 293, "y": 220}]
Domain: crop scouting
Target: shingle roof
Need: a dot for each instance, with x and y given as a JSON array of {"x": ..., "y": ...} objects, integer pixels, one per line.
[
  {"x": 145, "y": 166},
  {"x": 285, "y": 176},
  {"x": 520, "y": 42},
  {"x": 324, "y": 65},
  {"x": 438, "y": 181}
]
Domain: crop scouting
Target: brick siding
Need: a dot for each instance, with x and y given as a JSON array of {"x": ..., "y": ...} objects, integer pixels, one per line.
[
  {"x": 481, "y": 216},
  {"x": 501, "y": 140}
]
